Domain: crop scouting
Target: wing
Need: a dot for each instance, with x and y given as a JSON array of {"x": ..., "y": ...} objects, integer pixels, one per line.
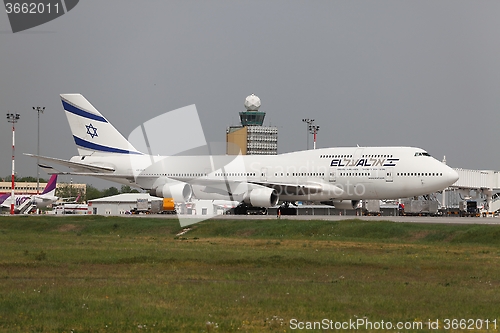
[
  {"x": 77, "y": 166},
  {"x": 238, "y": 188}
]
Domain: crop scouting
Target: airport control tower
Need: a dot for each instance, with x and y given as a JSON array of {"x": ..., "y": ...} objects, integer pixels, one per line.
[{"x": 251, "y": 138}]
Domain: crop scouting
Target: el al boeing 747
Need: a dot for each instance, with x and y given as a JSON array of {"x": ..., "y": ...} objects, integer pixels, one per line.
[{"x": 338, "y": 176}]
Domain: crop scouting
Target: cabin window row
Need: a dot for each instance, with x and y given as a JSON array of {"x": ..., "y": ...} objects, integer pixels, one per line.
[
  {"x": 335, "y": 156},
  {"x": 418, "y": 174},
  {"x": 176, "y": 174},
  {"x": 300, "y": 174},
  {"x": 236, "y": 174},
  {"x": 377, "y": 156},
  {"x": 304, "y": 174}
]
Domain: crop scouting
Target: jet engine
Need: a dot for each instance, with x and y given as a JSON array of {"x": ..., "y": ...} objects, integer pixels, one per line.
[
  {"x": 180, "y": 192},
  {"x": 262, "y": 197}
]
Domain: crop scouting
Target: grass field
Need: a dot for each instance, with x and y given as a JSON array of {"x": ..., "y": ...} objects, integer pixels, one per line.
[{"x": 113, "y": 274}]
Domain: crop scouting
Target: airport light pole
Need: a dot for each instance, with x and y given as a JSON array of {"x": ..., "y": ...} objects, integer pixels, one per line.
[
  {"x": 313, "y": 129},
  {"x": 309, "y": 123},
  {"x": 38, "y": 109},
  {"x": 13, "y": 118}
]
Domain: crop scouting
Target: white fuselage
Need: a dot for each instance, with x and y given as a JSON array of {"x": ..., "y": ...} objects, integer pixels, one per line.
[
  {"x": 318, "y": 175},
  {"x": 39, "y": 200}
]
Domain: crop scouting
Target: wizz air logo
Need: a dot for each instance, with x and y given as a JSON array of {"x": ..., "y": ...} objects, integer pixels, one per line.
[
  {"x": 27, "y": 14},
  {"x": 21, "y": 200}
]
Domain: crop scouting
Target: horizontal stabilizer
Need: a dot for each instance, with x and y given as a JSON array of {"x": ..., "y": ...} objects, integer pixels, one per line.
[{"x": 50, "y": 170}]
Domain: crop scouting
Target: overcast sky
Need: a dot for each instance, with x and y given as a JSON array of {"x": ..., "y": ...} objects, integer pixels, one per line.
[{"x": 372, "y": 73}]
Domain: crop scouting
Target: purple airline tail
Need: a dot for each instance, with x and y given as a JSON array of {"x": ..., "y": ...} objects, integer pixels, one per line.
[
  {"x": 51, "y": 185},
  {"x": 4, "y": 197}
]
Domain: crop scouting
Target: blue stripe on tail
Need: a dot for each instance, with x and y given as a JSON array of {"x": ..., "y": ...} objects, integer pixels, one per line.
[
  {"x": 82, "y": 113},
  {"x": 93, "y": 146}
]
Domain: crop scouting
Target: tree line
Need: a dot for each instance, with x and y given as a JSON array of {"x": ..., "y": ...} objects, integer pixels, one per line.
[{"x": 68, "y": 191}]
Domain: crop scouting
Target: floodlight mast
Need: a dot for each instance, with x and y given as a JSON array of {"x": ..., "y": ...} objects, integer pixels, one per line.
[
  {"x": 313, "y": 129},
  {"x": 13, "y": 118},
  {"x": 38, "y": 109},
  {"x": 309, "y": 123}
]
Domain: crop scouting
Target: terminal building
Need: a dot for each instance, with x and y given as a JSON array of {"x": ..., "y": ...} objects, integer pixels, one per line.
[
  {"x": 251, "y": 137},
  {"x": 30, "y": 188}
]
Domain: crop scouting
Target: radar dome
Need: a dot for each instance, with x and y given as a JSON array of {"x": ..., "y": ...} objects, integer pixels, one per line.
[{"x": 252, "y": 103}]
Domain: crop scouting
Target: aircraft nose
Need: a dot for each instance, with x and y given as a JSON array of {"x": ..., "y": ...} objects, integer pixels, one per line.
[{"x": 451, "y": 176}]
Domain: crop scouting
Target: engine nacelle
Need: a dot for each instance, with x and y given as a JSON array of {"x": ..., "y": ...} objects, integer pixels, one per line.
[
  {"x": 262, "y": 197},
  {"x": 180, "y": 192},
  {"x": 344, "y": 204}
]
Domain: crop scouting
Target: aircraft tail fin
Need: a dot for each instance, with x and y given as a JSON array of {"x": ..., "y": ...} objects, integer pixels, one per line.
[
  {"x": 4, "y": 197},
  {"x": 50, "y": 189},
  {"x": 92, "y": 132}
]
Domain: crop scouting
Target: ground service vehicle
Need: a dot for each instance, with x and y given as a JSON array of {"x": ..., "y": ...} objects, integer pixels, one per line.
[{"x": 468, "y": 208}]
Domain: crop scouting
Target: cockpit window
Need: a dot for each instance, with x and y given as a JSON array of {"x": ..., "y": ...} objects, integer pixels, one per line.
[{"x": 422, "y": 153}]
